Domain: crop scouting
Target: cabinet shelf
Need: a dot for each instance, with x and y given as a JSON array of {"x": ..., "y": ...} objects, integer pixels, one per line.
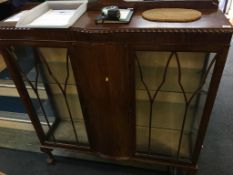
[
  {"x": 164, "y": 142},
  {"x": 164, "y": 115},
  {"x": 166, "y": 96},
  {"x": 153, "y": 76},
  {"x": 158, "y": 59},
  {"x": 59, "y": 71},
  {"x": 64, "y": 132}
]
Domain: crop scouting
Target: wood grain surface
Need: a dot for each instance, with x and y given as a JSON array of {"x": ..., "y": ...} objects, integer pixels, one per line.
[{"x": 171, "y": 15}]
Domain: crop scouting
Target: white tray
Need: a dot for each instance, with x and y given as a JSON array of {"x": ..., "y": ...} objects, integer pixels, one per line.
[{"x": 53, "y": 14}]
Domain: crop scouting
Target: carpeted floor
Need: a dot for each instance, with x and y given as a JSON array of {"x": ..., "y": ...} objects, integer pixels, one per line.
[
  {"x": 28, "y": 163},
  {"x": 216, "y": 157}
]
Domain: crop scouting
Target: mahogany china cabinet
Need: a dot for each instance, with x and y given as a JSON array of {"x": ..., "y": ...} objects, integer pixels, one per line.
[{"x": 139, "y": 92}]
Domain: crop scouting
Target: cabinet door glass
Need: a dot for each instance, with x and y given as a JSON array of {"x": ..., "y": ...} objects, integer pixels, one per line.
[
  {"x": 171, "y": 89},
  {"x": 11, "y": 108},
  {"x": 51, "y": 86}
]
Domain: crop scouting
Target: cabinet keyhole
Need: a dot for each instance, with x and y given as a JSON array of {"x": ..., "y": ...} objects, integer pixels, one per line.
[{"x": 106, "y": 79}]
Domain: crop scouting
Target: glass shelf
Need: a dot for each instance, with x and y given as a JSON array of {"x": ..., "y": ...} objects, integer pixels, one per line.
[
  {"x": 58, "y": 69},
  {"x": 74, "y": 105},
  {"x": 165, "y": 115},
  {"x": 164, "y": 96},
  {"x": 153, "y": 77},
  {"x": 158, "y": 59},
  {"x": 164, "y": 142},
  {"x": 64, "y": 132}
]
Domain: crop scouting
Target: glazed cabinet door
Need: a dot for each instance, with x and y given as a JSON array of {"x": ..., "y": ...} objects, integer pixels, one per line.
[
  {"x": 171, "y": 89},
  {"x": 102, "y": 73},
  {"x": 45, "y": 81}
]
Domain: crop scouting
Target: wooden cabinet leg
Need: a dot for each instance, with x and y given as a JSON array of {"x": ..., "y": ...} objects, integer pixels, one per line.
[
  {"x": 177, "y": 171},
  {"x": 188, "y": 172},
  {"x": 171, "y": 171},
  {"x": 48, "y": 151}
]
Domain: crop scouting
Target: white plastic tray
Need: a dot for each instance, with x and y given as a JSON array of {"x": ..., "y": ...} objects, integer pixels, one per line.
[{"x": 53, "y": 14}]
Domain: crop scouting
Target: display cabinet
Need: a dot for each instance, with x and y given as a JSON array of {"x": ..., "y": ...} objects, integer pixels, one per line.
[{"x": 140, "y": 92}]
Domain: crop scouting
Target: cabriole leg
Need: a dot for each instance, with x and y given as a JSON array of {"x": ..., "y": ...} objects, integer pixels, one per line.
[
  {"x": 48, "y": 151},
  {"x": 177, "y": 171}
]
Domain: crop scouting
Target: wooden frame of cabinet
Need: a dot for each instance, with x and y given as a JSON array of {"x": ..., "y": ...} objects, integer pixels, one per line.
[{"x": 105, "y": 77}]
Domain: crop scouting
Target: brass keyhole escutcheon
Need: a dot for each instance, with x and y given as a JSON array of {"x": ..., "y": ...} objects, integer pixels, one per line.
[{"x": 106, "y": 79}]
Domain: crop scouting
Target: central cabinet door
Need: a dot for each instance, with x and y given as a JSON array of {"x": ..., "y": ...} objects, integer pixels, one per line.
[{"x": 102, "y": 74}]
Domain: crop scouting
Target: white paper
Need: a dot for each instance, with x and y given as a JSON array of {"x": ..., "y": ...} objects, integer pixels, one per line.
[
  {"x": 124, "y": 13},
  {"x": 16, "y": 17},
  {"x": 53, "y": 18}
]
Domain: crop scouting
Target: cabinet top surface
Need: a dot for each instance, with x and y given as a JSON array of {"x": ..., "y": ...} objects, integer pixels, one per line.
[
  {"x": 138, "y": 30},
  {"x": 211, "y": 21}
]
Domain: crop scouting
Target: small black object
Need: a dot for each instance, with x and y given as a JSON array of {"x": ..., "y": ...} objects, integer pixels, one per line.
[{"x": 111, "y": 12}]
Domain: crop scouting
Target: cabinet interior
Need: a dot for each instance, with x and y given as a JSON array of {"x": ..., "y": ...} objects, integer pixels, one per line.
[
  {"x": 51, "y": 82},
  {"x": 170, "y": 92}
]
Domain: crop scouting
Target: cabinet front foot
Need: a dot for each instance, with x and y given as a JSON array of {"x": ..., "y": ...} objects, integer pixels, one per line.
[
  {"x": 177, "y": 171},
  {"x": 172, "y": 171},
  {"x": 48, "y": 151}
]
